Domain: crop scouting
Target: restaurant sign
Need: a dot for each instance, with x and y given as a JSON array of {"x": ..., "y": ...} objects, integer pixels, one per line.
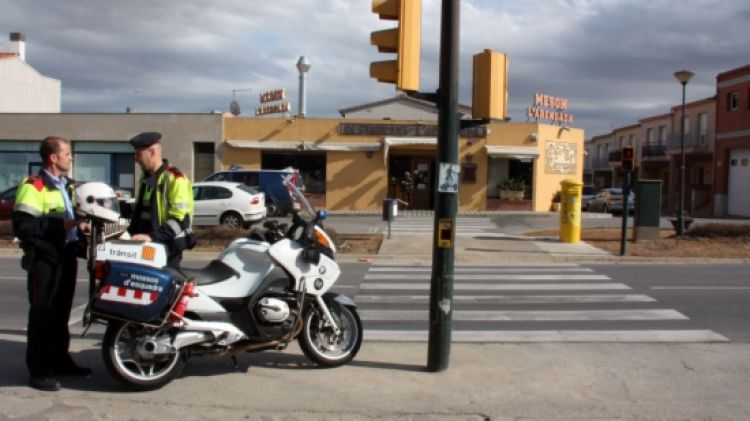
[
  {"x": 551, "y": 108},
  {"x": 270, "y": 105}
]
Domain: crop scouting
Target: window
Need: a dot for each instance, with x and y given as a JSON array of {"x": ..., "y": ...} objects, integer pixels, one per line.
[
  {"x": 649, "y": 136},
  {"x": 203, "y": 160},
  {"x": 631, "y": 140},
  {"x": 468, "y": 173},
  {"x": 663, "y": 135},
  {"x": 686, "y": 124},
  {"x": 211, "y": 193},
  {"x": 733, "y": 102},
  {"x": 702, "y": 128}
]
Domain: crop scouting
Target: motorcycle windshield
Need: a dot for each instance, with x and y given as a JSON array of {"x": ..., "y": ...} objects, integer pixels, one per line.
[{"x": 301, "y": 204}]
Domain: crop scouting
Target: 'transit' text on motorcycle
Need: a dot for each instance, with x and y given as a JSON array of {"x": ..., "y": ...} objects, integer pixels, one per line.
[{"x": 254, "y": 296}]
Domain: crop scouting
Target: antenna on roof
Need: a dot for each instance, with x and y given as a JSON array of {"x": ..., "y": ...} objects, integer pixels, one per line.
[{"x": 234, "y": 106}]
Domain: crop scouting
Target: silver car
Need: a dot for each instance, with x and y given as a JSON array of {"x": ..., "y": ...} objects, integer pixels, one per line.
[{"x": 610, "y": 200}]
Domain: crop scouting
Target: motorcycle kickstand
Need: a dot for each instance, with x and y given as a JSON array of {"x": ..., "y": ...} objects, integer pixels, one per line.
[{"x": 236, "y": 363}]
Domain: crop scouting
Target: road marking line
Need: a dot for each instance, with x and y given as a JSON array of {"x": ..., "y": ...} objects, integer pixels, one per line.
[
  {"x": 508, "y": 299},
  {"x": 494, "y": 277},
  {"x": 701, "y": 287},
  {"x": 479, "y": 269},
  {"x": 527, "y": 315},
  {"x": 499, "y": 287},
  {"x": 553, "y": 336}
]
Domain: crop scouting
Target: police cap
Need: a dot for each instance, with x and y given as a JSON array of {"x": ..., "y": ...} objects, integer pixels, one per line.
[{"x": 146, "y": 139}]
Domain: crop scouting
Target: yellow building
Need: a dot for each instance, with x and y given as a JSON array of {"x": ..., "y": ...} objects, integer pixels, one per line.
[{"x": 350, "y": 164}]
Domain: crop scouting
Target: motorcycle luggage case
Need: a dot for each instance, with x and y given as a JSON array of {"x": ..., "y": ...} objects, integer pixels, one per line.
[{"x": 136, "y": 293}]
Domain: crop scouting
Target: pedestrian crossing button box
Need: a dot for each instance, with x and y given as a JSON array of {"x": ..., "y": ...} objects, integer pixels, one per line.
[{"x": 390, "y": 209}]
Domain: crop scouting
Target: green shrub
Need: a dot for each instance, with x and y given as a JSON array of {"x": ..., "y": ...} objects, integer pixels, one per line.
[{"x": 514, "y": 184}]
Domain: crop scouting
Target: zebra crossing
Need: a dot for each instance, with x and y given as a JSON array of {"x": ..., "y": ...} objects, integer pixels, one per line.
[
  {"x": 464, "y": 226},
  {"x": 523, "y": 303}
]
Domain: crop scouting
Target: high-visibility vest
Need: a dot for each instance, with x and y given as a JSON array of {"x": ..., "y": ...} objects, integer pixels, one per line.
[
  {"x": 174, "y": 199},
  {"x": 38, "y": 198}
]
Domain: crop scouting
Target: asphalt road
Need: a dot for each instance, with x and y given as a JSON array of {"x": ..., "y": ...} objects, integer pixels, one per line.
[{"x": 517, "y": 304}]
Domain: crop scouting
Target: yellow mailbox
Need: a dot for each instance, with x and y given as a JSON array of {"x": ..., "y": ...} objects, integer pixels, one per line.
[{"x": 570, "y": 211}]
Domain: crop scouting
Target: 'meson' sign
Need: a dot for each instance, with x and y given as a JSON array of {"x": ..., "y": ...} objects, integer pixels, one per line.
[{"x": 551, "y": 108}]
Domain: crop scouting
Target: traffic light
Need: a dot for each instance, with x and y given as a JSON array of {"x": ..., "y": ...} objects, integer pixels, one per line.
[
  {"x": 628, "y": 156},
  {"x": 489, "y": 98},
  {"x": 403, "y": 40}
]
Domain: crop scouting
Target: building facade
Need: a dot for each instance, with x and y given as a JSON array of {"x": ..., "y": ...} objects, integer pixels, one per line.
[
  {"x": 699, "y": 124},
  {"x": 732, "y": 163},
  {"x": 101, "y": 151},
  {"x": 652, "y": 158},
  {"x": 355, "y": 164}
]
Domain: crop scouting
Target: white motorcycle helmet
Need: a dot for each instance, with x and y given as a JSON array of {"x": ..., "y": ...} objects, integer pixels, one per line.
[{"x": 97, "y": 200}]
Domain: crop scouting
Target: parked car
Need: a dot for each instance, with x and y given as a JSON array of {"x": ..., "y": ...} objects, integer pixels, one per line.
[
  {"x": 588, "y": 194},
  {"x": 610, "y": 200},
  {"x": 268, "y": 182},
  {"x": 232, "y": 204},
  {"x": 7, "y": 201}
]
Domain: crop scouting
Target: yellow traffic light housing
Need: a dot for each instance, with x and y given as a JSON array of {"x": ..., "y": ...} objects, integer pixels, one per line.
[
  {"x": 489, "y": 99},
  {"x": 403, "y": 40},
  {"x": 628, "y": 158}
]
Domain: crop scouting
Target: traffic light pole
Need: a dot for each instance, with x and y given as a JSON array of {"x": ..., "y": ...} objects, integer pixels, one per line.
[
  {"x": 625, "y": 212},
  {"x": 441, "y": 286}
]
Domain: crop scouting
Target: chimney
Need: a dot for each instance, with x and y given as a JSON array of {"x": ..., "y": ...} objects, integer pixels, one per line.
[{"x": 18, "y": 44}]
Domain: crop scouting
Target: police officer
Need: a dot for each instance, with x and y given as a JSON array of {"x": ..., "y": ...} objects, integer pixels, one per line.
[
  {"x": 164, "y": 203},
  {"x": 44, "y": 221}
]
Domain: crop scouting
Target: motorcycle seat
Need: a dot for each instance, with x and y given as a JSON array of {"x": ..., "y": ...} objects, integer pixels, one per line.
[{"x": 215, "y": 271}]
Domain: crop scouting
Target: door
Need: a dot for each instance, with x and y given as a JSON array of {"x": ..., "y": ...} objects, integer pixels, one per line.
[
  {"x": 210, "y": 203},
  {"x": 423, "y": 192},
  {"x": 739, "y": 190}
]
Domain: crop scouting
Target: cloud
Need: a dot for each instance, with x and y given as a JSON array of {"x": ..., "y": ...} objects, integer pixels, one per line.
[{"x": 613, "y": 59}]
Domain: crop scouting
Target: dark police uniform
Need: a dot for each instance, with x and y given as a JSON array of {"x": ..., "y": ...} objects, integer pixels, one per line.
[
  {"x": 164, "y": 205},
  {"x": 50, "y": 260}
]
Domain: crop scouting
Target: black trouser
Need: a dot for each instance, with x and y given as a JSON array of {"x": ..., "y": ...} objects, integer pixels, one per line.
[{"x": 51, "y": 287}]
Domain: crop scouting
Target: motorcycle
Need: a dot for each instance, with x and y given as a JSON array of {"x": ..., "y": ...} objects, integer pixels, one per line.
[{"x": 256, "y": 295}]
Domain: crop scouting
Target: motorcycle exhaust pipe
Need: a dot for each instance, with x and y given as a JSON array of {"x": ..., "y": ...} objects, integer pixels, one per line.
[{"x": 278, "y": 343}]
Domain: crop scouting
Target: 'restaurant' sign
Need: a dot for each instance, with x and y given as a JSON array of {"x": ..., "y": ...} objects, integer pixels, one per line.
[
  {"x": 548, "y": 107},
  {"x": 268, "y": 98}
]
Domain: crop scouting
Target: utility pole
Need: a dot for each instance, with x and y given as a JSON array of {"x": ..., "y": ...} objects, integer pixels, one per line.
[{"x": 441, "y": 289}]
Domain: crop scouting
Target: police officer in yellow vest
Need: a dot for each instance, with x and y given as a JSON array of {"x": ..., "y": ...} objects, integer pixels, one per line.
[
  {"x": 44, "y": 221},
  {"x": 163, "y": 209}
]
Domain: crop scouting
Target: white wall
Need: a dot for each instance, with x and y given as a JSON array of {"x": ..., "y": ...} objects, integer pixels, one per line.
[{"x": 24, "y": 90}]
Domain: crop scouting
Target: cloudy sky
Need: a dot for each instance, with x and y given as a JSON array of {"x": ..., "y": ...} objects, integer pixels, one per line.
[{"x": 612, "y": 59}]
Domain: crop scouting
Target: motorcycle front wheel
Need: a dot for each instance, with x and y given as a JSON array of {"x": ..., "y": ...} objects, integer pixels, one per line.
[
  {"x": 129, "y": 355},
  {"x": 321, "y": 345}
]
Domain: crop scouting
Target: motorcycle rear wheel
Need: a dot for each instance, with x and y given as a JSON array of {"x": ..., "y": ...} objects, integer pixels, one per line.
[
  {"x": 124, "y": 357},
  {"x": 321, "y": 345}
]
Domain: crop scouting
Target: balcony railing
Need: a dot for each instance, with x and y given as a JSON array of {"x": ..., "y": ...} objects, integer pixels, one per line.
[
  {"x": 654, "y": 150},
  {"x": 615, "y": 156},
  {"x": 692, "y": 140},
  {"x": 599, "y": 163}
]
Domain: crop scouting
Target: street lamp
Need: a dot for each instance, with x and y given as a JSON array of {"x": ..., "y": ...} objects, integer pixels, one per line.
[{"x": 683, "y": 76}]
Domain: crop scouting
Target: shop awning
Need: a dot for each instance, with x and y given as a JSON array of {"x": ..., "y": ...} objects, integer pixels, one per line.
[
  {"x": 342, "y": 147},
  {"x": 306, "y": 146},
  {"x": 514, "y": 152},
  {"x": 256, "y": 144}
]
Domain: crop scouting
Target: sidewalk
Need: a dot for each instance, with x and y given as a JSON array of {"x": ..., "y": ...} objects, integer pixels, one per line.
[
  {"x": 489, "y": 249},
  {"x": 546, "y": 381}
]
